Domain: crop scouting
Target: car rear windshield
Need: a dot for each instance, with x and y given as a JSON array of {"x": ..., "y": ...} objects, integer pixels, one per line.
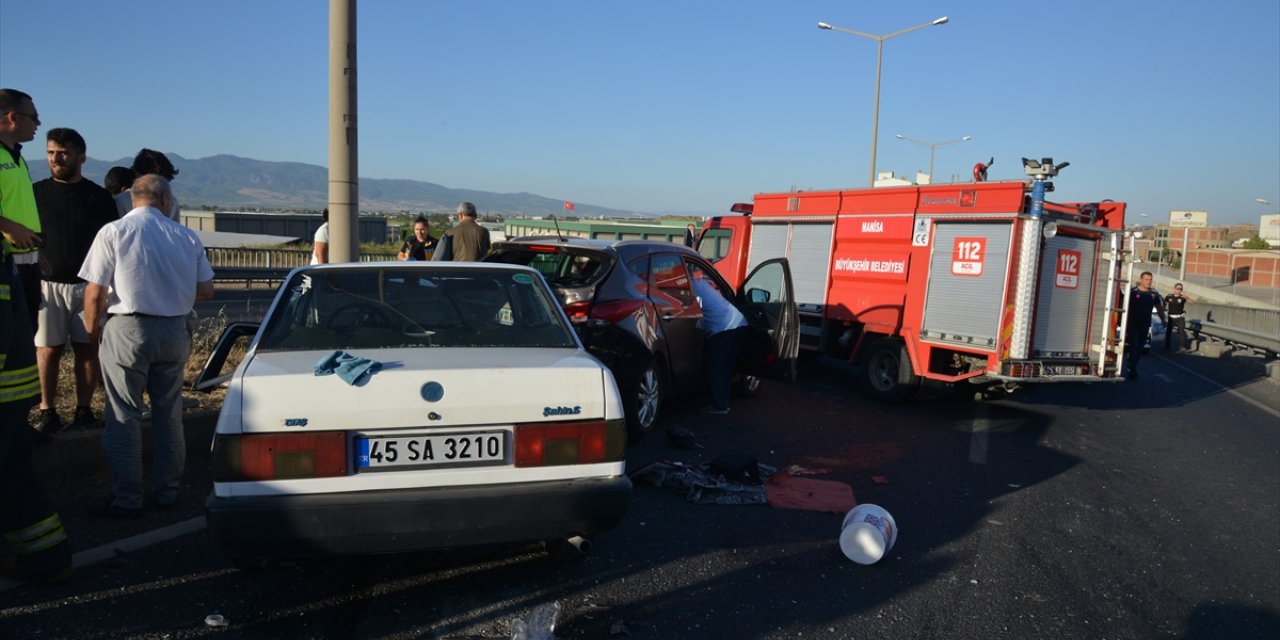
[
  {"x": 563, "y": 267},
  {"x": 433, "y": 305}
]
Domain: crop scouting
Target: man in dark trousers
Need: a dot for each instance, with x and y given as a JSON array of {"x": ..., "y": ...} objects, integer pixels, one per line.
[
  {"x": 33, "y": 543},
  {"x": 1175, "y": 304},
  {"x": 72, "y": 209},
  {"x": 1142, "y": 300}
]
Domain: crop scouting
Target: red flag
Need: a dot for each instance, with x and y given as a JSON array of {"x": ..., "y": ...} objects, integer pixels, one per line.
[{"x": 568, "y": 206}]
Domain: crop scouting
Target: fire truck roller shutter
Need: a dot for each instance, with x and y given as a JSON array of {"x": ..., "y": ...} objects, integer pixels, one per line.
[
  {"x": 1061, "y": 328},
  {"x": 807, "y": 246},
  {"x": 967, "y": 269}
]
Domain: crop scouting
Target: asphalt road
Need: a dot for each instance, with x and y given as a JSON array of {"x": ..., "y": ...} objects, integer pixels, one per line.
[{"x": 1144, "y": 509}]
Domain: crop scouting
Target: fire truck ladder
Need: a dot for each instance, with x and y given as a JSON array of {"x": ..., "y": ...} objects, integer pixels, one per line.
[{"x": 1113, "y": 338}]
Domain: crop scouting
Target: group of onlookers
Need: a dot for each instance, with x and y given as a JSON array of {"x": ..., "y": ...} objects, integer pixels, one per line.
[
  {"x": 465, "y": 242},
  {"x": 113, "y": 273}
]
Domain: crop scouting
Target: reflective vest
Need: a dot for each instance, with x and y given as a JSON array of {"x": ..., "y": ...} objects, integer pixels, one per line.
[
  {"x": 17, "y": 199},
  {"x": 19, "y": 378}
]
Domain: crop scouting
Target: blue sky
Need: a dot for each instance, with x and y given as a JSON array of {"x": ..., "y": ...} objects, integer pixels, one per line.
[{"x": 684, "y": 106}]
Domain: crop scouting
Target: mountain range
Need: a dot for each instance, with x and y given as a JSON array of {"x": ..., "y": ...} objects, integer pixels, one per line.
[{"x": 227, "y": 182}]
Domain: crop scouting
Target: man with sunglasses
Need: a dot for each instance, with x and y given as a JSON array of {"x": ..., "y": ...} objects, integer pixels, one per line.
[
  {"x": 19, "y": 219},
  {"x": 33, "y": 542},
  {"x": 1175, "y": 305}
]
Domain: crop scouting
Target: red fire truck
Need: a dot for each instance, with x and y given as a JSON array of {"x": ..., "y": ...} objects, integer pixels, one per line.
[{"x": 983, "y": 283}]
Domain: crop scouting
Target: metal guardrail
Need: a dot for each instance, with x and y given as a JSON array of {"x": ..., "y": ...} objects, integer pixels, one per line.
[
  {"x": 1254, "y": 328},
  {"x": 265, "y": 265}
]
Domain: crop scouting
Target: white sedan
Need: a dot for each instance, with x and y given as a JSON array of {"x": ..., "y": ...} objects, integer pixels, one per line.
[{"x": 390, "y": 407}]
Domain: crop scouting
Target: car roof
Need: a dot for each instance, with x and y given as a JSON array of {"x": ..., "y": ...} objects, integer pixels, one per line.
[
  {"x": 412, "y": 265},
  {"x": 625, "y": 248}
]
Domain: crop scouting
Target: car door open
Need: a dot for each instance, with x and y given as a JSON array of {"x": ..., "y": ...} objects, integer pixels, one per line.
[{"x": 767, "y": 301}]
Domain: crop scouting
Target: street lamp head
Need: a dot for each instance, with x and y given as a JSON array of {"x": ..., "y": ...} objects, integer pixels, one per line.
[
  {"x": 1262, "y": 201},
  {"x": 942, "y": 20},
  {"x": 823, "y": 25},
  {"x": 900, "y": 136},
  {"x": 966, "y": 138}
]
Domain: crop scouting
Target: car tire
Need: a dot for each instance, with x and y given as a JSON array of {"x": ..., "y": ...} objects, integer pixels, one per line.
[
  {"x": 643, "y": 399},
  {"x": 888, "y": 372}
]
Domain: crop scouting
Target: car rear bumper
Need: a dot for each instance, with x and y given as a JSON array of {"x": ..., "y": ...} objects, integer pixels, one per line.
[{"x": 415, "y": 519}]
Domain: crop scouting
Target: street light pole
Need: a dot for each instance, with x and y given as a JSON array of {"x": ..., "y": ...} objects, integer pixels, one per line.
[
  {"x": 875, "y": 119},
  {"x": 933, "y": 147}
]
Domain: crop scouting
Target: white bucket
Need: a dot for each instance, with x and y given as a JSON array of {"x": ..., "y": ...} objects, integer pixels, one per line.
[{"x": 867, "y": 534}]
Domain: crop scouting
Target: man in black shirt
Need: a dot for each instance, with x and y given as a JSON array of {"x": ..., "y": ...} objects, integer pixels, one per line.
[
  {"x": 420, "y": 245},
  {"x": 1176, "y": 305},
  {"x": 1142, "y": 301},
  {"x": 72, "y": 209}
]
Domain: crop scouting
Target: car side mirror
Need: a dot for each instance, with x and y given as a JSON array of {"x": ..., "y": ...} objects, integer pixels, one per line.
[{"x": 757, "y": 296}]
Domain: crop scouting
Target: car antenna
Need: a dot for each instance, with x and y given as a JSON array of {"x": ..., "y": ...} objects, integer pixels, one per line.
[{"x": 559, "y": 237}]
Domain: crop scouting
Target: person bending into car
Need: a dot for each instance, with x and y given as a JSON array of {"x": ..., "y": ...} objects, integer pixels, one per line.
[
  {"x": 144, "y": 273},
  {"x": 725, "y": 327}
]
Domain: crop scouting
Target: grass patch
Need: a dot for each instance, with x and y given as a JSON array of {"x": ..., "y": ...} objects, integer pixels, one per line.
[{"x": 203, "y": 340}]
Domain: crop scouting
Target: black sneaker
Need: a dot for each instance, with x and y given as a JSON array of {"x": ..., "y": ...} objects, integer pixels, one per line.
[
  {"x": 85, "y": 419},
  {"x": 48, "y": 422}
]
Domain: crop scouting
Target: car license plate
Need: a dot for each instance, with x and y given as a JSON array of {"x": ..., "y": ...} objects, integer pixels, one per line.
[{"x": 451, "y": 449}]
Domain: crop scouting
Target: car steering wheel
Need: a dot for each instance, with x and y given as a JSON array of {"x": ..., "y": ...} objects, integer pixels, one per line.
[{"x": 362, "y": 314}]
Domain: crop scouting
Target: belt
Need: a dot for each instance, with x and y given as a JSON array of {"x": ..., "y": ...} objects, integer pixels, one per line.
[
  {"x": 1177, "y": 315},
  {"x": 30, "y": 257},
  {"x": 141, "y": 315}
]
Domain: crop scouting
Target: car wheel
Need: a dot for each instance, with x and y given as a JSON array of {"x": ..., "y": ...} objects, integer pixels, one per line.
[
  {"x": 747, "y": 386},
  {"x": 644, "y": 399},
  {"x": 889, "y": 375}
]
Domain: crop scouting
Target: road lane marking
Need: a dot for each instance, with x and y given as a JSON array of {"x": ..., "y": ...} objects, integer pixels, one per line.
[
  {"x": 1229, "y": 390},
  {"x": 140, "y": 541}
]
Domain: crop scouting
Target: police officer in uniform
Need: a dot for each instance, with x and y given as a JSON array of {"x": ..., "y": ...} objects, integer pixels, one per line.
[{"x": 1175, "y": 305}]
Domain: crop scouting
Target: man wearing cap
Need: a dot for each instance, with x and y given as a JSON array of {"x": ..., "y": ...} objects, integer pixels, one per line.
[{"x": 1175, "y": 305}]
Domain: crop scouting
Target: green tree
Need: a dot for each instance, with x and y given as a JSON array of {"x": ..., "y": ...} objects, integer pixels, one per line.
[{"x": 1256, "y": 243}]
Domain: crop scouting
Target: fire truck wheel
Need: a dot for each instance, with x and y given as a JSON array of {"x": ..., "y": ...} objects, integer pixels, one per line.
[
  {"x": 889, "y": 374},
  {"x": 643, "y": 398}
]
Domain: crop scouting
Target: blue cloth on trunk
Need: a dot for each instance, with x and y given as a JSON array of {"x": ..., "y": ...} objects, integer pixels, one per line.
[{"x": 352, "y": 369}]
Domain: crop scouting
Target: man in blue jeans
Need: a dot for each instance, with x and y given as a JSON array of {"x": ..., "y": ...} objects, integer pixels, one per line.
[{"x": 725, "y": 327}]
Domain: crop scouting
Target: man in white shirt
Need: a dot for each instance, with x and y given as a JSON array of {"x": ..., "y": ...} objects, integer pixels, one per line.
[
  {"x": 320, "y": 254},
  {"x": 144, "y": 273}
]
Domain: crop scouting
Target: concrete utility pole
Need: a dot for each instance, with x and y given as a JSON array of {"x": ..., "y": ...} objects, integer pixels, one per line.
[{"x": 344, "y": 188}]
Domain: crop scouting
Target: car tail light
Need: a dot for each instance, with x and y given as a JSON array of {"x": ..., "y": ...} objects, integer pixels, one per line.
[
  {"x": 280, "y": 456},
  {"x": 545, "y": 444},
  {"x": 614, "y": 311},
  {"x": 541, "y": 248},
  {"x": 579, "y": 311}
]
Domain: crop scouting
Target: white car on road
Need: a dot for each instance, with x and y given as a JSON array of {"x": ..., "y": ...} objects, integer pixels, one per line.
[{"x": 391, "y": 407}]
